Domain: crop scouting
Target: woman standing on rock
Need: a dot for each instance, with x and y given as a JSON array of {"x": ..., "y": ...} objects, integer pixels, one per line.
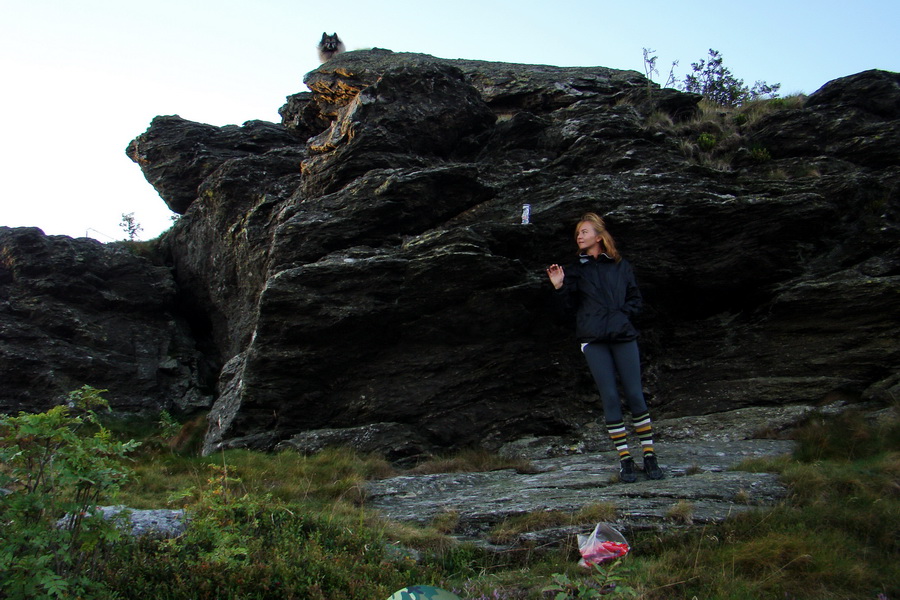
[{"x": 601, "y": 291}]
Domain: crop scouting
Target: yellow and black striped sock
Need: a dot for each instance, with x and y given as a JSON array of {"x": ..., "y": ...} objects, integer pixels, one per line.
[
  {"x": 619, "y": 438},
  {"x": 644, "y": 430}
]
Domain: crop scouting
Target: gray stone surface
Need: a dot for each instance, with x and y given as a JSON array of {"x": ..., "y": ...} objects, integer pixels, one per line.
[
  {"x": 158, "y": 523},
  {"x": 696, "y": 473},
  {"x": 150, "y": 522}
]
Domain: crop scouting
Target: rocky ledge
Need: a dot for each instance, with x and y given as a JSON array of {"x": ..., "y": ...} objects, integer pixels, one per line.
[
  {"x": 567, "y": 474},
  {"x": 698, "y": 488}
]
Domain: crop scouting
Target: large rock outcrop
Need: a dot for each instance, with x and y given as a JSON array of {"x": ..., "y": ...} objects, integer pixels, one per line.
[
  {"x": 76, "y": 312},
  {"x": 360, "y": 273}
]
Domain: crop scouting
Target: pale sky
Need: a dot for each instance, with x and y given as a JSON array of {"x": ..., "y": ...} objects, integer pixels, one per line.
[{"x": 81, "y": 78}]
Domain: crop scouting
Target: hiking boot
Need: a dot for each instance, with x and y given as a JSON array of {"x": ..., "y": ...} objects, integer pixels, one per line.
[
  {"x": 626, "y": 473},
  {"x": 651, "y": 467}
]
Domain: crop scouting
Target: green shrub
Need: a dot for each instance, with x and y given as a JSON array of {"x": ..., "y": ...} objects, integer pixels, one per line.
[
  {"x": 706, "y": 141},
  {"x": 57, "y": 467},
  {"x": 760, "y": 154},
  {"x": 605, "y": 580},
  {"x": 716, "y": 82}
]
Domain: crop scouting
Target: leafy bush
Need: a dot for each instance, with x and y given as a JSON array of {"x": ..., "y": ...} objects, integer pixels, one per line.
[
  {"x": 712, "y": 79},
  {"x": 715, "y": 81},
  {"x": 706, "y": 141},
  {"x": 57, "y": 466},
  {"x": 606, "y": 580},
  {"x": 760, "y": 154}
]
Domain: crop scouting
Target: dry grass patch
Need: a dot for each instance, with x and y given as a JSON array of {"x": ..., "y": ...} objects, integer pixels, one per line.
[
  {"x": 681, "y": 512},
  {"x": 474, "y": 460},
  {"x": 512, "y": 527}
]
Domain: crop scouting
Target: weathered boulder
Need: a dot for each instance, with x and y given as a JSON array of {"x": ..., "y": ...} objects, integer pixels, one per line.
[
  {"x": 407, "y": 119},
  {"x": 388, "y": 281},
  {"x": 177, "y": 155},
  {"x": 503, "y": 86},
  {"x": 76, "y": 312},
  {"x": 359, "y": 274},
  {"x": 851, "y": 118}
]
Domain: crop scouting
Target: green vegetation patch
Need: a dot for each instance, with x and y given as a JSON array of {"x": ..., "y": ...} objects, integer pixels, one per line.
[{"x": 291, "y": 526}]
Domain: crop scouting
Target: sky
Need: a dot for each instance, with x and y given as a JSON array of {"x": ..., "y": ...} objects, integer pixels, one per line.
[{"x": 80, "y": 79}]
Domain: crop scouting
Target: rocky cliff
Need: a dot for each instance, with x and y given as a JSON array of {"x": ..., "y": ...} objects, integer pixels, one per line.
[
  {"x": 359, "y": 273},
  {"x": 76, "y": 312}
]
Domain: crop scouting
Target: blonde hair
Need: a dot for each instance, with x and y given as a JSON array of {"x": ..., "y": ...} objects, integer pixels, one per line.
[{"x": 607, "y": 242}]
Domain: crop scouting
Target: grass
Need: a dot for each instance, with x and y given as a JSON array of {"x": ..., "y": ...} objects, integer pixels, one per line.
[
  {"x": 333, "y": 474},
  {"x": 681, "y": 512},
  {"x": 471, "y": 460},
  {"x": 818, "y": 545},
  {"x": 714, "y": 136},
  {"x": 290, "y": 526},
  {"x": 838, "y": 535},
  {"x": 512, "y": 527}
]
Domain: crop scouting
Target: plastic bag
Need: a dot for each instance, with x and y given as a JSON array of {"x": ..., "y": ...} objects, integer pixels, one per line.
[{"x": 605, "y": 543}]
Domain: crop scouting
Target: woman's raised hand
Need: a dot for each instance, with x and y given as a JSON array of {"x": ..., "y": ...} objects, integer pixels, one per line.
[{"x": 556, "y": 275}]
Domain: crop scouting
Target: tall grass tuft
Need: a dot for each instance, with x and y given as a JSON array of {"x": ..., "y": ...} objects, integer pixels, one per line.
[
  {"x": 471, "y": 460},
  {"x": 715, "y": 134}
]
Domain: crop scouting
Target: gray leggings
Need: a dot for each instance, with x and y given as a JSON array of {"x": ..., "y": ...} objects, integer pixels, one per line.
[{"x": 604, "y": 361}]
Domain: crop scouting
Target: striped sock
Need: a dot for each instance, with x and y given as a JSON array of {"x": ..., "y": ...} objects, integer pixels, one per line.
[
  {"x": 644, "y": 430},
  {"x": 619, "y": 438}
]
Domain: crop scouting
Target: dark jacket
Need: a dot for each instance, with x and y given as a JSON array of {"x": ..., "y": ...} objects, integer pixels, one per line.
[{"x": 603, "y": 295}]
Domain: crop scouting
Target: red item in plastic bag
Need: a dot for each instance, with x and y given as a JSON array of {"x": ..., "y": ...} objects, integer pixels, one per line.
[{"x": 605, "y": 543}]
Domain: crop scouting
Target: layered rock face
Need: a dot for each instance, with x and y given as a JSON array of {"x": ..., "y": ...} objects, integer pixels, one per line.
[
  {"x": 361, "y": 274},
  {"x": 75, "y": 312}
]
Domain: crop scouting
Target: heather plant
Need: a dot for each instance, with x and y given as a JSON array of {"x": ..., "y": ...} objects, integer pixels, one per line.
[{"x": 57, "y": 467}]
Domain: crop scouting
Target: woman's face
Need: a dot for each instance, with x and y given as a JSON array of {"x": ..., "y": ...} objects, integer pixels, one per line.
[{"x": 587, "y": 238}]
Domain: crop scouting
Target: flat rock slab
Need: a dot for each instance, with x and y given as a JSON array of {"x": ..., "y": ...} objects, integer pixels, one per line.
[
  {"x": 698, "y": 481},
  {"x": 155, "y": 523}
]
